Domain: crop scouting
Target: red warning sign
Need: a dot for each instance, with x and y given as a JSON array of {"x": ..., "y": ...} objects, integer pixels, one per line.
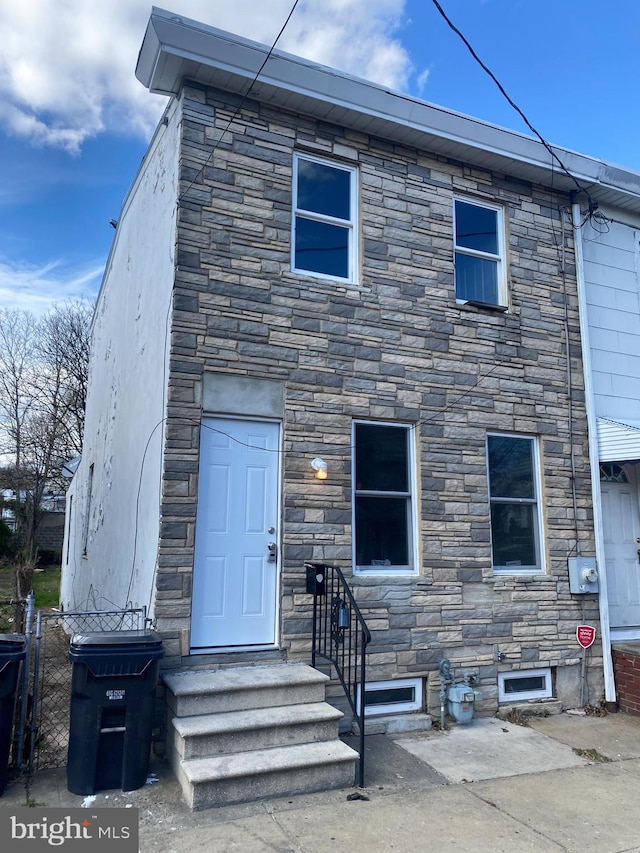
[{"x": 585, "y": 635}]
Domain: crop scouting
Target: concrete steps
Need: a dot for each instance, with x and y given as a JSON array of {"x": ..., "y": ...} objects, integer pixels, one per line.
[{"x": 252, "y": 732}]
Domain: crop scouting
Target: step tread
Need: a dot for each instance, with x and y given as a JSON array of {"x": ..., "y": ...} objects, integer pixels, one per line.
[
  {"x": 194, "y": 682},
  {"x": 260, "y": 718},
  {"x": 265, "y": 761}
]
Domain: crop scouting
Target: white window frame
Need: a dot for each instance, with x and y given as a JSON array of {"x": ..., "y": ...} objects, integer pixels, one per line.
[
  {"x": 412, "y": 538},
  {"x": 499, "y": 259},
  {"x": 350, "y": 225},
  {"x": 392, "y": 707},
  {"x": 536, "y": 501},
  {"x": 545, "y": 693}
]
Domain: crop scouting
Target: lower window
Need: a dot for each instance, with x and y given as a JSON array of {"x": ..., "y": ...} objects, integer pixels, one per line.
[
  {"x": 514, "y": 488},
  {"x": 392, "y": 697},
  {"x": 382, "y": 497},
  {"x": 525, "y": 684}
]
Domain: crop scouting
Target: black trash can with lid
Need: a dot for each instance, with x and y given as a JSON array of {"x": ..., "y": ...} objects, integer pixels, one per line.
[
  {"x": 12, "y": 653},
  {"x": 115, "y": 674}
]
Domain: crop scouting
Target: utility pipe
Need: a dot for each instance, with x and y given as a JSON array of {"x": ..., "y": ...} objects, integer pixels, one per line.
[{"x": 594, "y": 457}]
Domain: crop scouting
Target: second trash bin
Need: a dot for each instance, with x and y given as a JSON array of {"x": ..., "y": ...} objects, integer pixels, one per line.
[
  {"x": 12, "y": 653},
  {"x": 115, "y": 674}
]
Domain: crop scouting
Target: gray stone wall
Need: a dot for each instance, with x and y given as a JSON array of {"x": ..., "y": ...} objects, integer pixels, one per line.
[{"x": 394, "y": 347}]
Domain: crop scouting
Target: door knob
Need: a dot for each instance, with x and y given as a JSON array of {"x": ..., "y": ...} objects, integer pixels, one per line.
[{"x": 272, "y": 548}]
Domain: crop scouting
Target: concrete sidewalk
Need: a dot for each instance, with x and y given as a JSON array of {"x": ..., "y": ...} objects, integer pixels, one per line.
[{"x": 564, "y": 783}]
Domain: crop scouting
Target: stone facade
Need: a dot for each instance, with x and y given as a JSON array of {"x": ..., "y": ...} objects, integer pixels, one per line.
[{"x": 394, "y": 347}]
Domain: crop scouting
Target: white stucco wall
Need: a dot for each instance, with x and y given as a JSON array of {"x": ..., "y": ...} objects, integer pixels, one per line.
[
  {"x": 127, "y": 397},
  {"x": 612, "y": 279}
]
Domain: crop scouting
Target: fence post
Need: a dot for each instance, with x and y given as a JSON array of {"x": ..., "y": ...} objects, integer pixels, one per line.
[
  {"x": 33, "y": 725},
  {"x": 26, "y": 667}
]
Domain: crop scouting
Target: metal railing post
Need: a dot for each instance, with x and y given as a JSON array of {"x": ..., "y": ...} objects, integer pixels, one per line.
[
  {"x": 361, "y": 711},
  {"x": 336, "y": 641}
]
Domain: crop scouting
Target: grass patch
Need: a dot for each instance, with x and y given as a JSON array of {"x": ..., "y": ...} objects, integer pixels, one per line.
[
  {"x": 6, "y": 583},
  {"x": 46, "y": 586}
]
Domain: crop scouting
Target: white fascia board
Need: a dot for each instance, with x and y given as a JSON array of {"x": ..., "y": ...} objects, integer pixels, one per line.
[{"x": 177, "y": 48}]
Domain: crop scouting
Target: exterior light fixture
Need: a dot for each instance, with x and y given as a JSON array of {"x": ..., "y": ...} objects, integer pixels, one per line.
[{"x": 320, "y": 467}]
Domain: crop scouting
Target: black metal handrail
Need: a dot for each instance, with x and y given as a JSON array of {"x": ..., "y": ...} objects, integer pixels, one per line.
[{"x": 340, "y": 636}]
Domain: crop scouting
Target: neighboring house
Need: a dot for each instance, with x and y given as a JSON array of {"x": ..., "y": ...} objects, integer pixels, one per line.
[
  {"x": 7, "y": 513},
  {"x": 51, "y": 525},
  {"x": 610, "y": 288},
  {"x": 324, "y": 269}
]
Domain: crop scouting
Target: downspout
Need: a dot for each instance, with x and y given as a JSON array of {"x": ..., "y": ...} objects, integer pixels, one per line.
[{"x": 594, "y": 458}]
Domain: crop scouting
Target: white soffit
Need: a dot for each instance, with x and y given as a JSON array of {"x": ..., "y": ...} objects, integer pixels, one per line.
[
  {"x": 618, "y": 441},
  {"x": 177, "y": 48}
]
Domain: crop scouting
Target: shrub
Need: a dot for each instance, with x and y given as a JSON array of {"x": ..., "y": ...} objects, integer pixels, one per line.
[
  {"x": 49, "y": 557},
  {"x": 7, "y": 540}
]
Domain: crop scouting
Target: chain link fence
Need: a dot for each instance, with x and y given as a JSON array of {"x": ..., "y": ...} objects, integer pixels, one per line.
[
  {"x": 12, "y": 616},
  {"x": 41, "y": 730}
]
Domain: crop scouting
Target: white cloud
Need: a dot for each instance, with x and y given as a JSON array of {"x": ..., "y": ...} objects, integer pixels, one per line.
[
  {"x": 36, "y": 288},
  {"x": 422, "y": 80},
  {"x": 67, "y": 69}
]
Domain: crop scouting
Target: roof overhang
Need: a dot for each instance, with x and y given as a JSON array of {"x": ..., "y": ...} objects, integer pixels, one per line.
[
  {"x": 175, "y": 49},
  {"x": 618, "y": 441}
]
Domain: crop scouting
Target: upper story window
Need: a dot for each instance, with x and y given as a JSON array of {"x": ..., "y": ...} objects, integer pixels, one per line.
[
  {"x": 514, "y": 489},
  {"x": 383, "y": 505},
  {"x": 479, "y": 254},
  {"x": 325, "y": 208}
]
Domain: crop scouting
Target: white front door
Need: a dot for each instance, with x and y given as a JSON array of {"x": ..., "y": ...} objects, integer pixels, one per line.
[
  {"x": 235, "y": 574},
  {"x": 621, "y": 527}
]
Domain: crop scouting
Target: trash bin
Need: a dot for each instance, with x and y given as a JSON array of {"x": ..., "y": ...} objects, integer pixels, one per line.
[
  {"x": 115, "y": 674},
  {"x": 12, "y": 653}
]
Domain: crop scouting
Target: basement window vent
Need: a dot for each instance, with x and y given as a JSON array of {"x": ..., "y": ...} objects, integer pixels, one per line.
[
  {"x": 523, "y": 685},
  {"x": 392, "y": 697}
]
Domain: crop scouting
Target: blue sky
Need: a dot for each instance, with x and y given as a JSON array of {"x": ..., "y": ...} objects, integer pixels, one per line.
[{"x": 74, "y": 121}]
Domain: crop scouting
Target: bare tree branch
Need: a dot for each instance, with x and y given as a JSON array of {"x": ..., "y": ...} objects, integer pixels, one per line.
[{"x": 43, "y": 385}]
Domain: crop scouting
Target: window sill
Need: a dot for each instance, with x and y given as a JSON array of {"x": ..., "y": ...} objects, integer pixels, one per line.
[
  {"x": 384, "y": 571},
  {"x": 336, "y": 279},
  {"x": 525, "y": 574},
  {"x": 334, "y": 285},
  {"x": 470, "y": 305}
]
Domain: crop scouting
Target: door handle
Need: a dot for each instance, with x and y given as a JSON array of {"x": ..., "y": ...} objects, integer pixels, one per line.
[{"x": 272, "y": 549}]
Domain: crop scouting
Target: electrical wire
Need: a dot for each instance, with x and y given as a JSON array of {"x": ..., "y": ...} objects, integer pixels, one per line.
[
  {"x": 343, "y": 455},
  {"x": 592, "y": 204},
  {"x": 241, "y": 104}
]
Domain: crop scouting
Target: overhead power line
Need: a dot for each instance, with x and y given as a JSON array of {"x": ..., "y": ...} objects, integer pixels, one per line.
[
  {"x": 592, "y": 204},
  {"x": 242, "y": 102}
]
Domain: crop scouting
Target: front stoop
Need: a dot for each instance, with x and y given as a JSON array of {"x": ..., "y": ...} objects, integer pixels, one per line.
[{"x": 242, "y": 734}]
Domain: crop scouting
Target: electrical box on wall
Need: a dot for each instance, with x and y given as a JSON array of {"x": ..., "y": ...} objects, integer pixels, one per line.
[{"x": 583, "y": 575}]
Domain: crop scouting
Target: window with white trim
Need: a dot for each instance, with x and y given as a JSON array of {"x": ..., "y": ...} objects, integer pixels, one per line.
[
  {"x": 514, "y": 490},
  {"x": 383, "y": 506},
  {"x": 325, "y": 205},
  {"x": 391, "y": 697},
  {"x": 479, "y": 254},
  {"x": 524, "y": 685}
]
